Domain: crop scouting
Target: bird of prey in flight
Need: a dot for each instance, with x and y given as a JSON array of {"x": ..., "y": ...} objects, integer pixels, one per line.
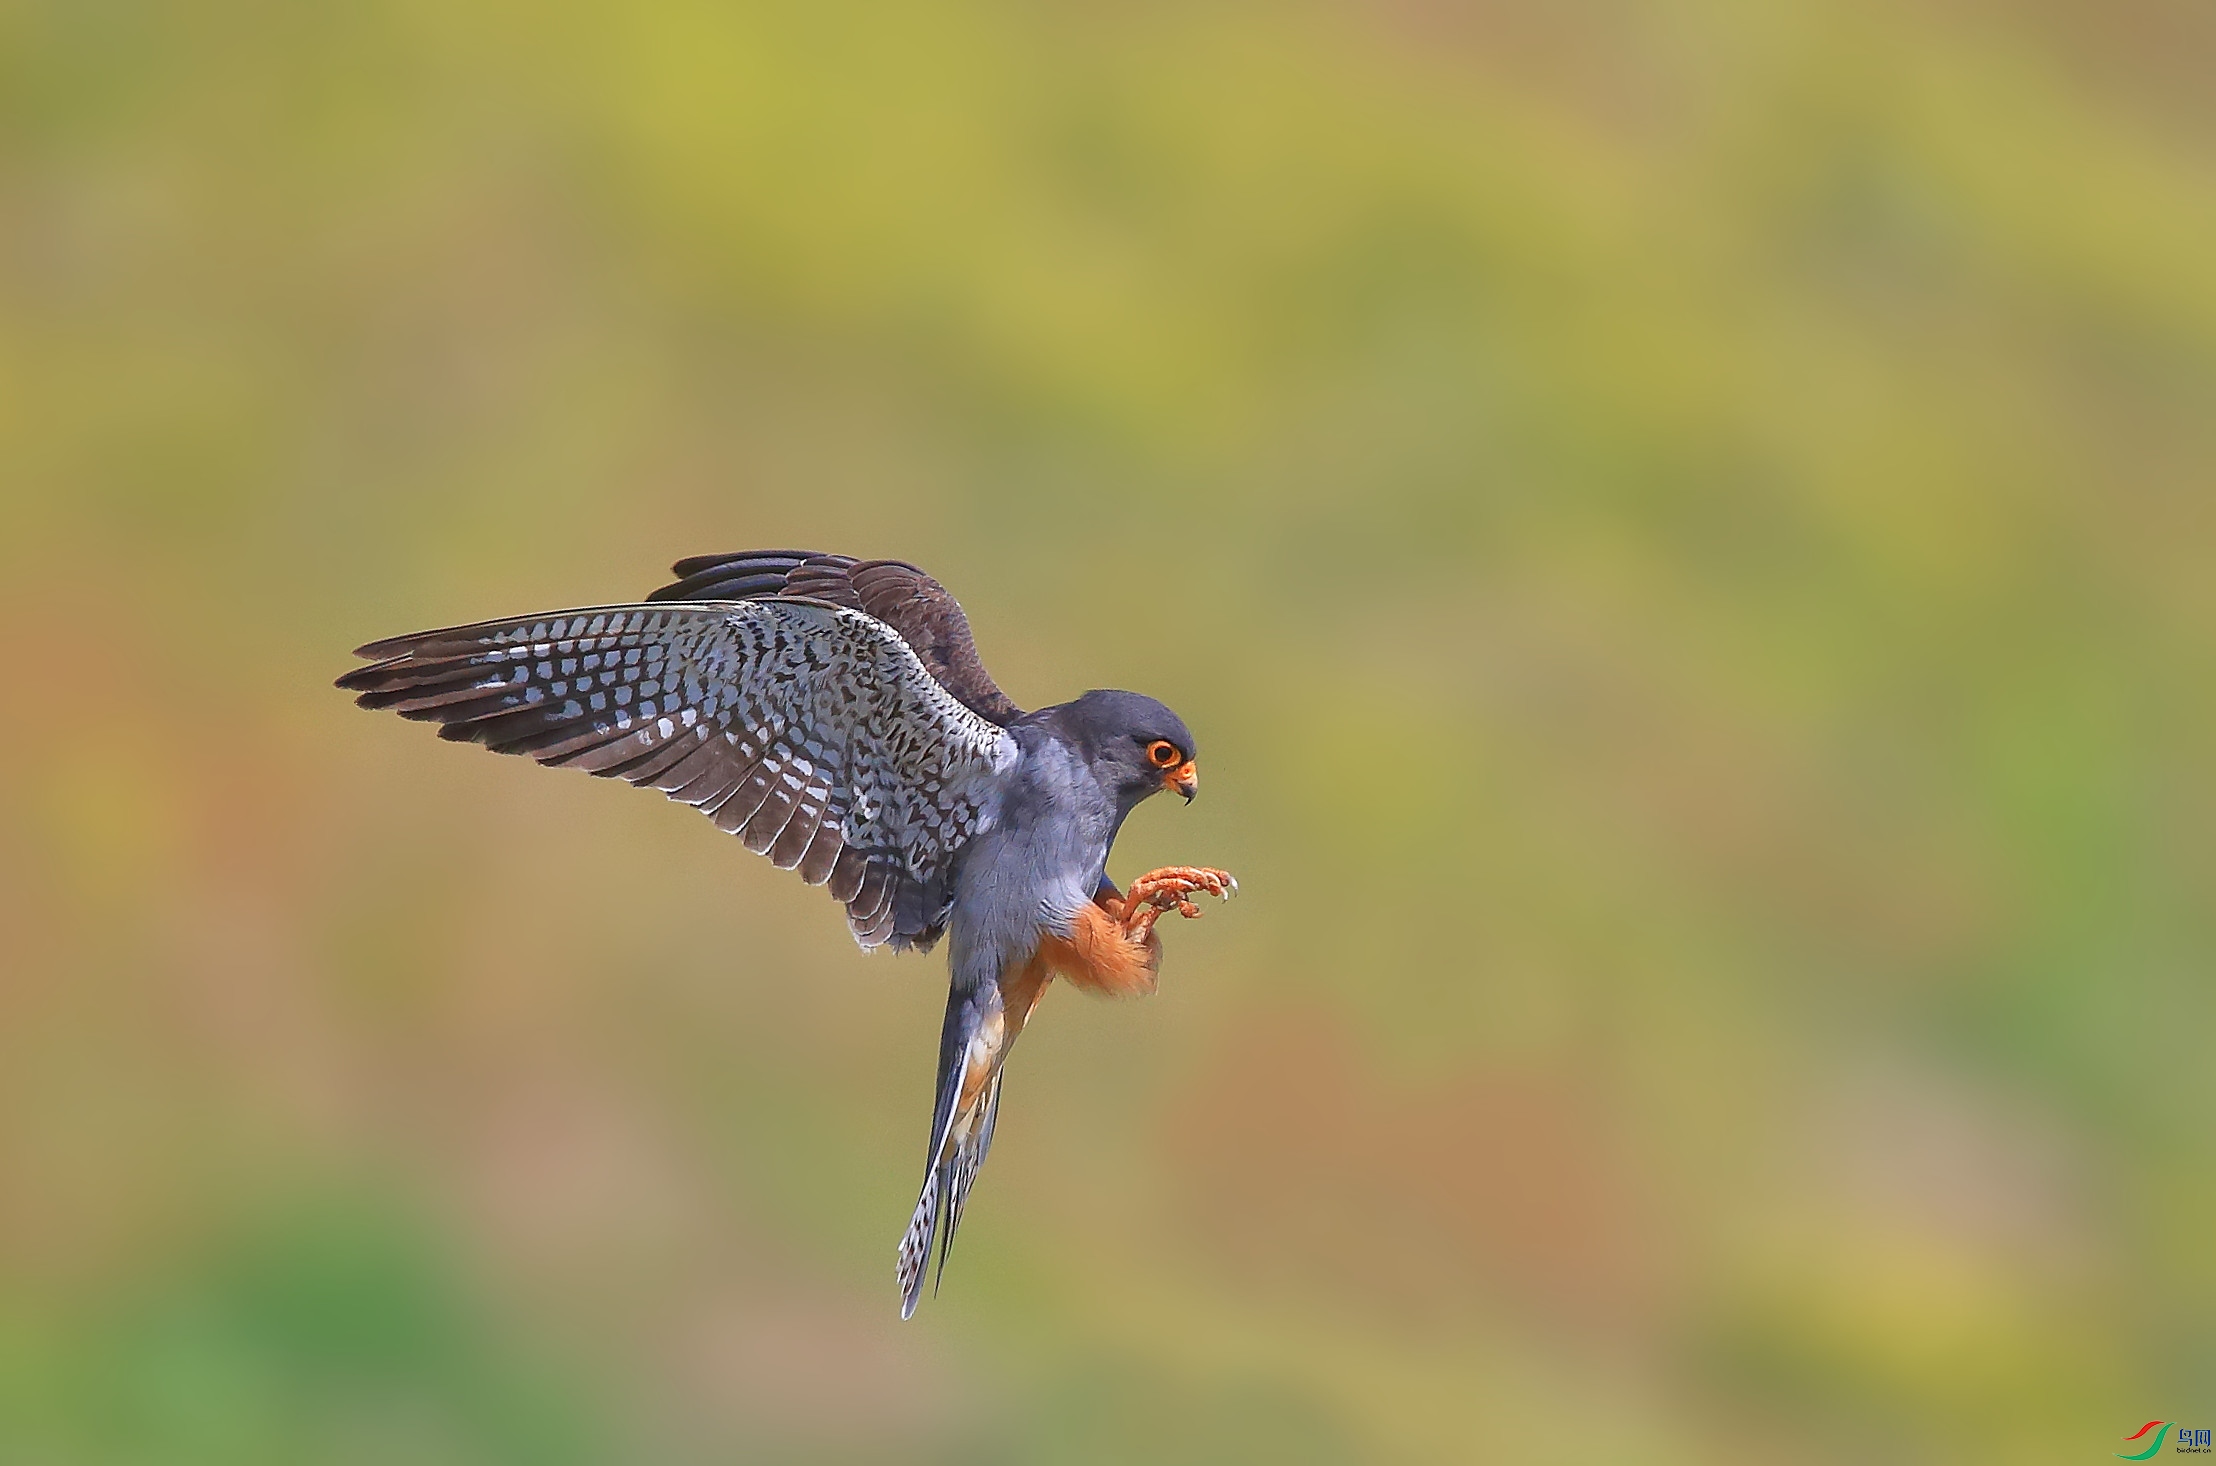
[{"x": 833, "y": 714}]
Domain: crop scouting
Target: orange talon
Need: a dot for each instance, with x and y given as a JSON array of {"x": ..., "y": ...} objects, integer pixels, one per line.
[{"x": 1161, "y": 891}]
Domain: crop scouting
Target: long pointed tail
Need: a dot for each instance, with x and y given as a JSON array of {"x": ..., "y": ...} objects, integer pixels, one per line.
[
  {"x": 946, "y": 1188},
  {"x": 959, "y": 1173},
  {"x": 972, "y": 1043}
]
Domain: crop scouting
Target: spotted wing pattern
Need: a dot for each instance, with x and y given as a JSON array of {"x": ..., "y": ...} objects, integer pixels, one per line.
[
  {"x": 810, "y": 731},
  {"x": 925, "y": 614}
]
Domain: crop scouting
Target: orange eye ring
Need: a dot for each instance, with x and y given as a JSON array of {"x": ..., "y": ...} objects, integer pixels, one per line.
[{"x": 1163, "y": 754}]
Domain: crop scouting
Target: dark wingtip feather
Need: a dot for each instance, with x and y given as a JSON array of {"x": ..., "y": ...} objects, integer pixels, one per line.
[
  {"x": 751, "y": 575},
  {"x": 387, "y": 648},
  {"x": 693, "y": 564},
  {"x": 363, "y": 679},
  {"x": 713, "y": 586}
]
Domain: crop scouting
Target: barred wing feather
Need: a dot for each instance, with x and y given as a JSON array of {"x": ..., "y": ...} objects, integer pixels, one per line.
[{"x": 811, "y": 731}]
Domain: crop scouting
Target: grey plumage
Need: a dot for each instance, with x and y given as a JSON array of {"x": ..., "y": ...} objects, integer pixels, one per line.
[
  {"x": 810, "y": 731},
  {"x": 834, "y": 715}
]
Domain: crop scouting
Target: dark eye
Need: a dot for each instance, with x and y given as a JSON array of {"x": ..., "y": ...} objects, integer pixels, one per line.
[{"x": 1163, "y": 754}]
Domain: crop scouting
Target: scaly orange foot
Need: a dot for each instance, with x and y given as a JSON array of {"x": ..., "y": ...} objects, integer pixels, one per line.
[{"x": 1159, "y": 892}]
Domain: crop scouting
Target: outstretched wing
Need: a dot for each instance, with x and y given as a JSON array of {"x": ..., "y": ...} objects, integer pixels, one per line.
[
  {"x": 895, "y": 592},
  {"x": 810, "y": 731}
]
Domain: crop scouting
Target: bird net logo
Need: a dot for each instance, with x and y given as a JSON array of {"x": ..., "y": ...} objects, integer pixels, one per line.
[{"x": 2193, "y": 1442}]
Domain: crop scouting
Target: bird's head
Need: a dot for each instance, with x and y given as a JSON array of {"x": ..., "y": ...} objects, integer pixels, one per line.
[{"x": 1136, "y": 746}]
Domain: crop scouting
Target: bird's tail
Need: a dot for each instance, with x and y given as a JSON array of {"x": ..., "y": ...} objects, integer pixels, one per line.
[
  {"x": 915, "y": 1245},
  {"x": 971, "y": 1045}
]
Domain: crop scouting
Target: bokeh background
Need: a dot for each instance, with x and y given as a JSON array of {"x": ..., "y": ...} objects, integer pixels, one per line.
[{"x": 1685, "y": 529}]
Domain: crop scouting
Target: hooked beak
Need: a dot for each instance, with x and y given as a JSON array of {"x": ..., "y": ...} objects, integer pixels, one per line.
[{"x": 1185, "y": 779}]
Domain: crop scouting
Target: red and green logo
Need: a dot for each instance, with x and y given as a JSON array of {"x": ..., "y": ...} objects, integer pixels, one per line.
[
  {"x": 2160, "y": 1428},
  {"x": 2194, "y": 1442}
]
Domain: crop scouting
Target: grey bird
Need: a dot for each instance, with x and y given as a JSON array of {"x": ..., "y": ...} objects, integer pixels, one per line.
[{"x": 833, "y": 714}]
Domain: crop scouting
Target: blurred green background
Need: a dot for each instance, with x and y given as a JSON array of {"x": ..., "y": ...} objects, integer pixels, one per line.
[{"x": 1684, "y": 528}]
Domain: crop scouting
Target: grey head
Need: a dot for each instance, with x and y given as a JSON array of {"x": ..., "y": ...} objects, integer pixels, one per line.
[{"x": 1133, "y": 744}]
